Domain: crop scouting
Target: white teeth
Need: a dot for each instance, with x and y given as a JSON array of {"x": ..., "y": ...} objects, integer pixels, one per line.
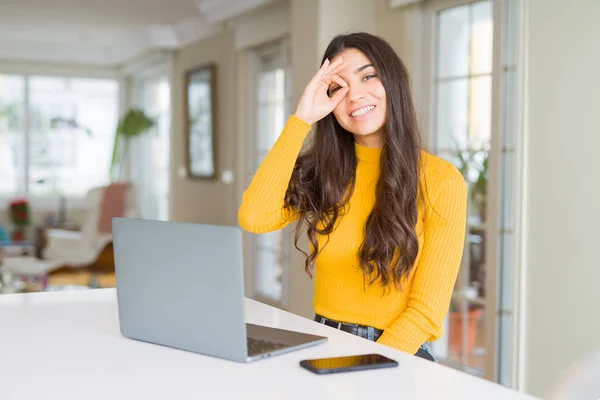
[{"x": 362, "y": 111}]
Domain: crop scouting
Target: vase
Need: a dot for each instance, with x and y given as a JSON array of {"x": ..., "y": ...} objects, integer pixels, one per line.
[
  {"x": 456, "y": 328},
  {"x": 18, "y": 235}
]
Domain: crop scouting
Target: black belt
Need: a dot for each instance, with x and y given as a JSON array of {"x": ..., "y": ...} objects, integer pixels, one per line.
[
  {"x": 363, "y": 331},
  {"x": 358, "y": 330}
]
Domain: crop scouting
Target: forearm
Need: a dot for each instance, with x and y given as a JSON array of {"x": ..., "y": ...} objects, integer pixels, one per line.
[
  {"x": 262, "y": 209},
  {"x": 436, "y": 271}
]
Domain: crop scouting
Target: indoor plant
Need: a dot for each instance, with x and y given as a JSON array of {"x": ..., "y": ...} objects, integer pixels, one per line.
[
  {"x": 133, "y": 123},
  {"x": 19, "y": 216},
  {"x": 473, "y": 165}
]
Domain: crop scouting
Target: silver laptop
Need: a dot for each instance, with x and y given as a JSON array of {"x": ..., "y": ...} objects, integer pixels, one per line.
[{"x": 181, "y": 285}]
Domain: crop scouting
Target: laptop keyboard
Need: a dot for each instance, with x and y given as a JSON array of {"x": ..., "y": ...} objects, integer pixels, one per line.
[{"x": 259, "y": 346}]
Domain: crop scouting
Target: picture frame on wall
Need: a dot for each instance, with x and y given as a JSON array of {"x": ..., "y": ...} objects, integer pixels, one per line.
[{"x": 200, "y": 116}]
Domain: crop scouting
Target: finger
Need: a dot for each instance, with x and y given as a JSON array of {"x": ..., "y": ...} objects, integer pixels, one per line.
[
  {"x": 327, "y": 83},
  {"x": 337, "y": 62},
  {"x": 321, "y": 72},
  {"x": 338, "y": 79},
  {"x": 328, "y": 77},
  {"x": 325, "y": 65},
  {"x": 336, "y": 66},
  {"x": 338, "y": 96},
  {"x": 326, "y": 69}
]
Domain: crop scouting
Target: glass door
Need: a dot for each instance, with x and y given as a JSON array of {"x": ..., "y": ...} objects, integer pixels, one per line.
[
  {"x": 271, "y": 251},
  {"x": 462, "y": 135},
  {"x": 475, "y": 87},
  {"x": 150, "y": 152}
]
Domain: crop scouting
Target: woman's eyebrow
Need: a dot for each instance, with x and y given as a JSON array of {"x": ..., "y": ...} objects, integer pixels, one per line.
[
  {"x": 363, "y": 68},
  {"x": 359, "y": 70}
]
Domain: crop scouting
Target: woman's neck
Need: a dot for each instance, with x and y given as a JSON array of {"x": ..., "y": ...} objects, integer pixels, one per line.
[{"x": 371, "y": 140}]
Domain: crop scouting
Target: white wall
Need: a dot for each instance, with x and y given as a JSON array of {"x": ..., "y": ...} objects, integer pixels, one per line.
[
  {"x": 562, "y": 188},
  {"x": 403, "y": 28},
  {"x": 197, "y": 200},
  {"x": 344, "y": 16},
  {"x": 305, "y": 58}
]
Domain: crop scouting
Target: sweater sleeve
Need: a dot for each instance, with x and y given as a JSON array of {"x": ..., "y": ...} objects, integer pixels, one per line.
[
  {"x": 437, "y": 269},
  {"x": 262, "y": 209}
]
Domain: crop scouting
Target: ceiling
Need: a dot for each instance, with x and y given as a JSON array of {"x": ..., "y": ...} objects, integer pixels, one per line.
[{"x": 107, "y": 32}]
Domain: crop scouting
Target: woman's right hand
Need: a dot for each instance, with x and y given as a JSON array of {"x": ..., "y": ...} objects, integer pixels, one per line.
[{"x": 315, "y": 102}]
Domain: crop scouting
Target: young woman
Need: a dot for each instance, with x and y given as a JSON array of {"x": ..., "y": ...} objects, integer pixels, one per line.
[{"x": 385, "y": 220}]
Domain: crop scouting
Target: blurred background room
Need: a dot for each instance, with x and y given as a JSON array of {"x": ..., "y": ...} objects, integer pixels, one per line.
[{"x": 164, "y": 110}]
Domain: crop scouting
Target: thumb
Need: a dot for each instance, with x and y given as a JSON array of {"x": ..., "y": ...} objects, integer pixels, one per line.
[{"x": 338, "y": 96}]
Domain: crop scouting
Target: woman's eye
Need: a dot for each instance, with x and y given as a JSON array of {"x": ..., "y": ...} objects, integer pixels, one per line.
[
  {"x": 333, "y": 90},
  {"x": 370, "y": 76}
]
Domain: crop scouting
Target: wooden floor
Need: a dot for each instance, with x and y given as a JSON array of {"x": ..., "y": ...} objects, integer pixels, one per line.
[
  {"x": 82, "y": 278},
  {"x": 102, "y": 270}
]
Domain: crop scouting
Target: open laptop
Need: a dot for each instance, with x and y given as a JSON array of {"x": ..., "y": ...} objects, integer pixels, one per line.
[{"x": 181, "y": 285}]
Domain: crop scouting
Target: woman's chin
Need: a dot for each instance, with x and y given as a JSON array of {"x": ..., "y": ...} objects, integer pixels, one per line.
[
  {"x": 365, "y": 128},
  {"x": 366, "y": 131}
]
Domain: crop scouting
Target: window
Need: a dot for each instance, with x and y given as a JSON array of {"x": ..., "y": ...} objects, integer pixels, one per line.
[
  {"x": 12, "y": 145},
  {"x": 150, "y": 152},
  {"x": 510, "y": 154},
  {"x": 56, "y": 134},
  {"x": 271, "y": 250},
  {"x": 463, "y": 109},
  {"x": 475, "y": 88}
]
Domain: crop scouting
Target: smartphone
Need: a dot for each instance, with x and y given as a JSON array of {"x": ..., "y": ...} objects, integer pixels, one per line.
[{"x": 348, "y": 363}]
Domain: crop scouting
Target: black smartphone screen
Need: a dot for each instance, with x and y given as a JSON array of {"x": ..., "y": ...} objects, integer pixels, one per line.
[{"x": 348, "y": 363}]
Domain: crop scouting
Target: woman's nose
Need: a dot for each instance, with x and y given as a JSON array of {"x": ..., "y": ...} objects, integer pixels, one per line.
[{"x": 355, "y": 93}]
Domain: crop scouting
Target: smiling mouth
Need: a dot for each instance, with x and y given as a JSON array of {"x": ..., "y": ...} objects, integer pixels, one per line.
[{"x": 362, "y": 111}]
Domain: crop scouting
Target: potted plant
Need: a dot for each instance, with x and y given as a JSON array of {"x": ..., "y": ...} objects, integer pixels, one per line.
[
  {"x": 19, "y": 216},
  {"x": 455, "y": 327},
  {"x": 473, "y": 165},
  {"x": 132, "y": 124},
  {"x": 479, "y": 191}
]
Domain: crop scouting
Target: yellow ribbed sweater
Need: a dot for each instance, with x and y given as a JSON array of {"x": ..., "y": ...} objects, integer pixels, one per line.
[{"x": 409, "y": 317}]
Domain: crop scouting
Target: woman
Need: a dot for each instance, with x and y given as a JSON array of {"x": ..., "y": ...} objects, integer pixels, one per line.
[{"x": 385, "y": 220}]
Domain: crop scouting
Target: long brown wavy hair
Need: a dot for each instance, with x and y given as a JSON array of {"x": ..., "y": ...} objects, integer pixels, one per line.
[{"x": 324, "y": 175}]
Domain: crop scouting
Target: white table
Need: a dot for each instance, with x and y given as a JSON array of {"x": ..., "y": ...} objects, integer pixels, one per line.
[{"x": 67, "y": 345}]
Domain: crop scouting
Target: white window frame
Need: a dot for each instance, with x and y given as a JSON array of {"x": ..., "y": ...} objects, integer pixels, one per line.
[
  {"x": 250, "y": 60},
  {"x": 27, "y": 70},
  {"x": 431, "y": 9},
  {"x": 493, "y": 226},
  {"x": 138, "y": 81}
]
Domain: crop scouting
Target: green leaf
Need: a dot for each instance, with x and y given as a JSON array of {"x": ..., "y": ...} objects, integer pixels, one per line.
[{"x": 132, "y": 124}]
